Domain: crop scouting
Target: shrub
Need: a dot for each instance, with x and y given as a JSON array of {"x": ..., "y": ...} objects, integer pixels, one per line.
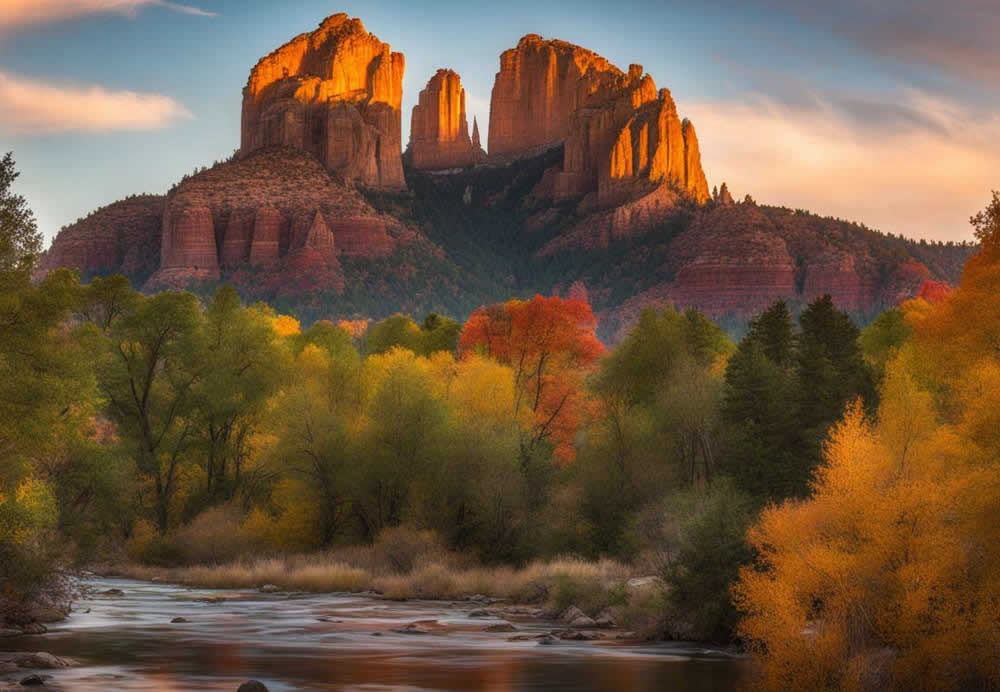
[{"x": 214, "y": 537}]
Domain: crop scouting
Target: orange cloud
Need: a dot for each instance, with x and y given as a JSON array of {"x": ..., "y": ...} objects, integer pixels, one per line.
[
  {"x": 14, "y": 13},
  {"x": 31, "y": 107},
  {"x": 921, "y": 174}
]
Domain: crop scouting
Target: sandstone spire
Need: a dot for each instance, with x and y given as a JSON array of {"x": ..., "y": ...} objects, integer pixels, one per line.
[
  {"x": 439, "y": 129},
  {"x": 476, "y": 144},
  {"x": 336, "y": 93},
  {"x": 623, "y": 138}
]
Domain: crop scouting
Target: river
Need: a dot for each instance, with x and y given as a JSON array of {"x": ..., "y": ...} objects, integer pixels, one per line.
[{"x": 329, "y": 642}]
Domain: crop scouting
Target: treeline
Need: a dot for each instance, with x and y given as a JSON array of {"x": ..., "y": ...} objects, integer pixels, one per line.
[{"x": 169, "y": 432}]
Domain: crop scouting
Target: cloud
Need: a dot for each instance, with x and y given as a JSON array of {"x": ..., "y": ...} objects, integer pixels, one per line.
[
  {"x": 954, "y": 37},
  {"x": 914, "y": 165},
  {"x": 16, "y": 13},
  {"x": 32, "y": 108}
]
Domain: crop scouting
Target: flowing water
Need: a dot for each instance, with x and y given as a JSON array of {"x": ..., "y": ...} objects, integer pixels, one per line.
[{"x": 340, "y": 642}]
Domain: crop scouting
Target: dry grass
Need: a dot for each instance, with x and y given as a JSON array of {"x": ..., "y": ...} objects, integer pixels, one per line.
[{"x": 560, "y": 582}]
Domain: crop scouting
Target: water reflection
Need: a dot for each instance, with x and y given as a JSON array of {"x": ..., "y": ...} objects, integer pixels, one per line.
[{"x": 341, "y": 642}]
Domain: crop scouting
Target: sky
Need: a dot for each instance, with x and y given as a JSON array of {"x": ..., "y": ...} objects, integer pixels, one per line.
[{"x": 877, "y": 111}]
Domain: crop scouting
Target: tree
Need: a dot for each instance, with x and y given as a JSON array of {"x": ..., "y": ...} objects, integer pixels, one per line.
[
  {"x": 152, "y": 361},
  {"x": 241, "y": 368},
  {"x": 436, "y": 333},
  {"x": 986, "y": 225},
  {"x": 551, "y": 345},
  {"x": 20, "y": 239}
]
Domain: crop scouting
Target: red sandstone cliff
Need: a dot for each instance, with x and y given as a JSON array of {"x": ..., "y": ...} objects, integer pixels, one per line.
[
  {"x": 439, "y": 130},
  {"x": 336, "y": 93},
  {"x": 539, "y": 87},
  {"x": 123, "y": 237},
  {"x": 277, "y": 210},
  {"x": 626, "y": 150}
]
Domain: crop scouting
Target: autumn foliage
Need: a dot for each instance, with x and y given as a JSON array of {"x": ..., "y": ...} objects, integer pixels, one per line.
[
  {"x": 551, "y": 346},
  {"x": 887, "y": 577}
]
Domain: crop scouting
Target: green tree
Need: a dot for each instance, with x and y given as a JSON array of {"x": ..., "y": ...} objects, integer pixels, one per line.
[
  {"x": 707, "y": 549},
  {"x": 242, "y": 367},
  {"x": 153, "y": 359},
  {"x": 20, "y": 239}
]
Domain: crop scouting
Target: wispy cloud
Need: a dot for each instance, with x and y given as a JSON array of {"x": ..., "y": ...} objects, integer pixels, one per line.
[
  {"x": 32, "y": 107},
  {"x": 915, "y": 165},
  {"x": 955, "y": 37},
  {"x": 16, "y": 13}
]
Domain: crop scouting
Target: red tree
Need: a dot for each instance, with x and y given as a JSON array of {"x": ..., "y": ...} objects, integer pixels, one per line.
[{"x": 551, "y": 346}]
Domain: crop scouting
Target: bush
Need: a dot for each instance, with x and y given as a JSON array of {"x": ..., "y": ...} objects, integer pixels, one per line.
[
  {"x": 403, "y": 547},
  {"x": 213, "y": 537}
]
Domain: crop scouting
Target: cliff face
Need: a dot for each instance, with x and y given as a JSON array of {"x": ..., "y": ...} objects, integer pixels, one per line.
[
  {"x": 624, "y": 141},
  {"x": 123, "y": 237},
  {"x": 336, "y": 93},
  {"x": 439, "y": 130},
  {"x": 539, "y": 87},
  {"x": 276, "y": 210}
]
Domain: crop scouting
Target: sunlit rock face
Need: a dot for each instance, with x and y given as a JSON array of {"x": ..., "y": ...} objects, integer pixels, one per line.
[
  {"x": 439, "y": 129},
  {"x": 623, "y": 137},
  {"x": 539, "y": 87},
  {"x": 336, "y": 93}
]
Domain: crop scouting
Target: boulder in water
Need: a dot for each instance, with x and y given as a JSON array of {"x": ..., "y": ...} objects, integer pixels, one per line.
[{"x": 252, "y": 686}]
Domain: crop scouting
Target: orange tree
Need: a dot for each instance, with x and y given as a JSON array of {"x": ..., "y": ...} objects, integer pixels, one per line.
[
  {"x": 887, "y": 576},
  {"x": 551, "y": 346}
]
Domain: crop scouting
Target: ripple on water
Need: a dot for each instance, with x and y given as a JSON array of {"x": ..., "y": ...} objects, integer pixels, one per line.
[{"x": 324, "y": 641}]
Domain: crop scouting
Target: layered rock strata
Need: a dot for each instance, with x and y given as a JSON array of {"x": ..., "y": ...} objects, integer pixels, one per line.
[
  {"x": 276, "y": 210},
  {"x": 622, "y": 136},
  {"x": 439, "y": 129},
  {"x": 335, "y": 93},
  {"x": 123, "y": 237}
]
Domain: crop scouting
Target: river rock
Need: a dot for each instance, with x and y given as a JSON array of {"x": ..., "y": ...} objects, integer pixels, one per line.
[
  {"x": 40, "y": 659},
  {"x": 582, "y": 623},
  {"x": 570, "y": 614},
  {"x": 252, "y": 686},
  {"x": 33, "y": 681},
  {"x": 179, "y": 620},
  {"x": 480, "y": 613},
  {"x": 500, "y": 627},
  {"x": 48, "y": 614},
  {"x": 270, "y": 588},
  {"x": 34, "y": 628},
  {"x": 605, "y": 620},
  {"x": 116, "y": 593}
]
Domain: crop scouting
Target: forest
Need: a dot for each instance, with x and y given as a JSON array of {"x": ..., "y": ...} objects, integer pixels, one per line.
[{"x": 821, "y": 495}]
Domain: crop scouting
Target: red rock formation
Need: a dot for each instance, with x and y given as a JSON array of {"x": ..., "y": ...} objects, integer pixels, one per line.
[
  {"x": 188, "y": 251},
  {"x": 336, "y": 93},
  {"x": 121, "y": 237},
  {"x": 539, "y": 87},
  {"x": 267, "y": 207},
  {"x": 439, "y": 130},
  {"x": 623, "y": 138},
  {"x": 237, "y": 238},
  {"x": 266, "y": 243},
  {"x": 364, "y": 237}
]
